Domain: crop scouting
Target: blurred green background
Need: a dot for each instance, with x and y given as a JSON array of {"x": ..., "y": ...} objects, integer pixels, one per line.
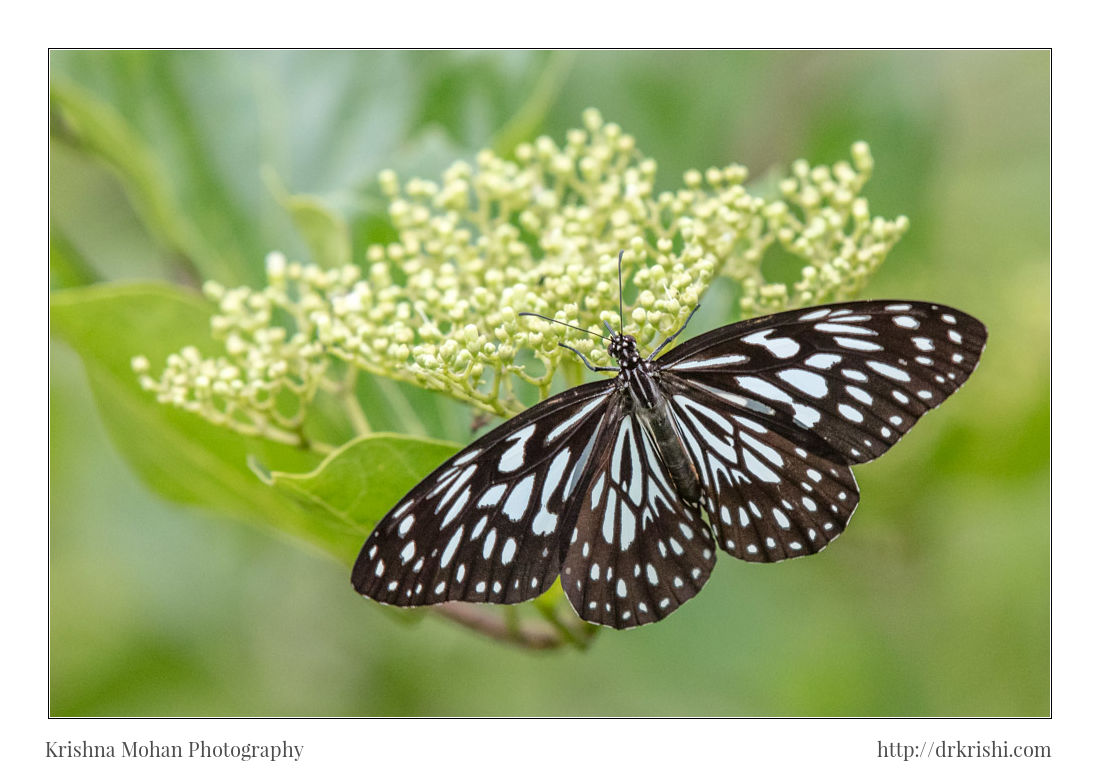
[{"x": 934, "y": 602}]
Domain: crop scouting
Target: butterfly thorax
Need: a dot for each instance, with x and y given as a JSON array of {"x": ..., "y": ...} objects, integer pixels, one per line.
[
  {"x": 639, "y": 380},
  {"x": 635, "y": 373}
]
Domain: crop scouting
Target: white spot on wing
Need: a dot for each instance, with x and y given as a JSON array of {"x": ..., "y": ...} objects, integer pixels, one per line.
[
  {"x": 490, "y": 541},
  {"x": 852, "y": 344},
  {"x": 512, "y": 459},
  {"x": 554, "y": 474},
  {"x": 545, "y": 522},
  {"x": 844, "y": 329},
  {"x": 597, "y": 490},
  {"x": 452, "y": 546},
  {"x": 456, "y": 508},
  {"x": 889, "y": 371},
  {"x": 492, "y": 496},
  {"x": 850, "y": 412},
  {"x": 763, "y": 388},
  {"x": 758, "y": 469},
  {"x": 520, "y": 498},
  {"x": 806, "y": 382},
  {"x": 782, "y": 347},
  {"x": 859, "y": 394},
  {"x": 574, "y": 419},
  {"x": 806, "y": 415},
  {"x": 715, "y": 361},
  {"x": 823, "y": 361},
  {"x": 465, "y": 457},
  {"x": 770, "y": 453}
]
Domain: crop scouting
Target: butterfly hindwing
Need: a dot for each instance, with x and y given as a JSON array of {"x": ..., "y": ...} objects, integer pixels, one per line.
[
  {"x": 857, "y": 376},
  {"x": 767, "y": 497},
  {"x": 487, "y": 525},
  {"x": 638, "y": 551}
]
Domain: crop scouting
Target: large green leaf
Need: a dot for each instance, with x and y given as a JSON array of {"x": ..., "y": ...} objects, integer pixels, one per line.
[
  {"x": 179, "y": 455},
  {"x": 356, "y": 485}
]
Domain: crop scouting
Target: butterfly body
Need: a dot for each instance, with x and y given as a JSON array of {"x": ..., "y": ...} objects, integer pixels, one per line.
[
  {"x": 755, "y": 425},
  {"x": 640, "y": 382}
]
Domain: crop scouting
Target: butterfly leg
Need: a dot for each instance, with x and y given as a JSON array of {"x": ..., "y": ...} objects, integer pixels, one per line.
[
  {"x": 673, "y": 336},
  {"x": 586, "y": 362}
]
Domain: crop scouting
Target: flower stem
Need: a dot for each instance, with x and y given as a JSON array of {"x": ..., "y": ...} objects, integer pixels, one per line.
[{"x": 351, "y": 404}]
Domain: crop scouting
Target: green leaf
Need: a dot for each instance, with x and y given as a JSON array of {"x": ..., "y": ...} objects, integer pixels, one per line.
[
  {"x": 178, "y": 454},
  {"x": 359, "y": 483}
]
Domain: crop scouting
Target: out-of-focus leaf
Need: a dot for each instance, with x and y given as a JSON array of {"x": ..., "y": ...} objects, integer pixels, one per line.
[
  {"x": 324, "y": 230},
  {"x": 188, "y": 134},
  {"x": 357, "y": 484},
  {"x": 102, "y": 132},
  {"x": 67, "y": 266}
]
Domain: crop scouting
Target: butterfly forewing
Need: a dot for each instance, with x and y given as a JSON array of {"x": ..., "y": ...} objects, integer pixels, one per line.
[
  {"x": 855, "y": 376},
  {"x": 487, "y": 525},
  {"x": 638, "y": 551}
]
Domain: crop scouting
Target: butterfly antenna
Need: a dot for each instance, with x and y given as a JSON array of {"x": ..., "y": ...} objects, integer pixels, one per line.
[
  {"x": 620, "y": 292},
  {"x": 555, "y": 321}
]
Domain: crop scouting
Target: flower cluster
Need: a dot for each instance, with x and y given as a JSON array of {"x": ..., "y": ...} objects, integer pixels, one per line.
[
  {"x": 268, "y": 377},
  {"x": 538, "y": 233}
]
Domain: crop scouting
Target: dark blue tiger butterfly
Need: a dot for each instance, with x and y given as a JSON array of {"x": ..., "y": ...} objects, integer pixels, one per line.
[{"x": 756, "y": 424}]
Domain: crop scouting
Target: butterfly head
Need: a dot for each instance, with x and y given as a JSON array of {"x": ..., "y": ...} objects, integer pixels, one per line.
[{"x": 623, "y": 349}]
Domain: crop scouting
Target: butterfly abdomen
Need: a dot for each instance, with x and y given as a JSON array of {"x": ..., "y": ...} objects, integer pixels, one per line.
[
  {"x": 652, "y": 410},
  {"x": 659, "y": 425}
]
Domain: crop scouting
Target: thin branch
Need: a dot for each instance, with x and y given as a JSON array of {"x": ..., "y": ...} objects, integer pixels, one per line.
[{"x": 497, "y": 627}]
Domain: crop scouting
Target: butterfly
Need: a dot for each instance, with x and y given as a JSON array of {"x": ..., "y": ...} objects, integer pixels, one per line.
[{"x": 755, "y": 425}]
